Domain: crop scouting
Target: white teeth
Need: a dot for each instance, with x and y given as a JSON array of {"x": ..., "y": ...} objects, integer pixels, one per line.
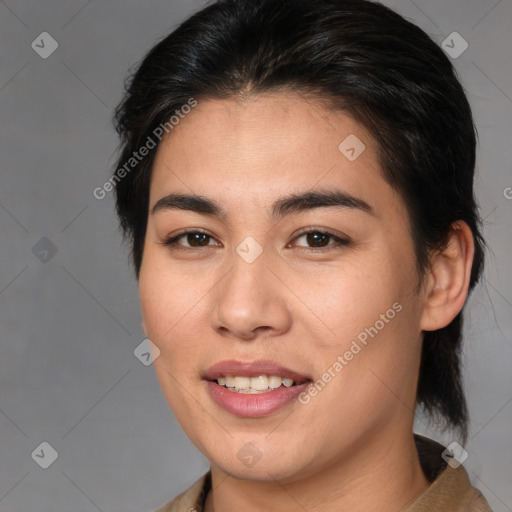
[
  {"x": 259, "y": 383},
  {"x": 254, "y": 385},
  {"x": 242, "y": 382},
  {"x": 274, "y": 382}
]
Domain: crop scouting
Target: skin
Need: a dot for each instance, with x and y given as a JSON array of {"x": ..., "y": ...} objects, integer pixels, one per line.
[{"x": 351, "y": 447}]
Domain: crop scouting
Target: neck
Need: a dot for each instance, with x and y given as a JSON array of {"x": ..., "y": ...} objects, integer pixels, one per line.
[{"x": 386, "y": 471}]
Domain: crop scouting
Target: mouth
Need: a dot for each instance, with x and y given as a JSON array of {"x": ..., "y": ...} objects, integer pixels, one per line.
[{"x": 253, "y": 389}]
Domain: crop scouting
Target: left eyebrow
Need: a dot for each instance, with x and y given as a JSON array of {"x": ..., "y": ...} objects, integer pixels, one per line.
[{"x": 293, "y": 203}]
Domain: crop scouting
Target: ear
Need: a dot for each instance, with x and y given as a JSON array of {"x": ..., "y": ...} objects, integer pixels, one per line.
[{"x": 447, "y": 282}]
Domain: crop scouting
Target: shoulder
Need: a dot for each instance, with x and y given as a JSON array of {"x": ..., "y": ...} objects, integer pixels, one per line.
[{"x": 190, "y": 500}]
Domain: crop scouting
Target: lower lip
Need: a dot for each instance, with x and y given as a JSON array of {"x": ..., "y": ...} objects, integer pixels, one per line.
[{"x": 254, "y": 405}]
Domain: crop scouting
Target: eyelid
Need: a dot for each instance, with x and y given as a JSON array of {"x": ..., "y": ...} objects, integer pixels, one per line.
[{"x": 318, "y": 229}]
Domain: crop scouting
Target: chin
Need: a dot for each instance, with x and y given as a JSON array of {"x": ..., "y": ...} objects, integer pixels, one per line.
[
  {"x": 260, "y": 472},
  {"x": 247, "y": 464}
]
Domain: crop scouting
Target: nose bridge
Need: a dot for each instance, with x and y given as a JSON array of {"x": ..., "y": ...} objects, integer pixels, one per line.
[{"x": 246, "y": 283}]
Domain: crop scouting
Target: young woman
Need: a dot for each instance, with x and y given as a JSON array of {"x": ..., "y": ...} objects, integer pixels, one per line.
[{"x": 296, "y": 183}]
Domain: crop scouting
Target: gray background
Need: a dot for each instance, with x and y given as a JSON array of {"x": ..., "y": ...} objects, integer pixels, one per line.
[{"x": 69, "y": 326}]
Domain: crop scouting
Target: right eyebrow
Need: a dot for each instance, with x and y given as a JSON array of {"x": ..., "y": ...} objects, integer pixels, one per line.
[{"x": 193, "y": 203}]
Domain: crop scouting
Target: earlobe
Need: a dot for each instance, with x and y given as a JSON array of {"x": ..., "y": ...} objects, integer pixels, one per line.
[{"x": 448, "y": 279}]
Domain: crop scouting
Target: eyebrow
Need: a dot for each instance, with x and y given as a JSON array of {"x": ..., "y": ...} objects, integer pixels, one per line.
[{"x": 293, "y": 203}]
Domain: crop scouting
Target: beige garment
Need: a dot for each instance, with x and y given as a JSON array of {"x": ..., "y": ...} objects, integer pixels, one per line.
[{"x": 450, "y": 490}]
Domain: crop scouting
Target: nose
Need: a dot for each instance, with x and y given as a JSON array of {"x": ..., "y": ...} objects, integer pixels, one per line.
[{"x": 250, "y": 301}]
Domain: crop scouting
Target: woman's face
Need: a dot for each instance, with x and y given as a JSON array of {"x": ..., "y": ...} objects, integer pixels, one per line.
[{"x": 252, "y": 294}]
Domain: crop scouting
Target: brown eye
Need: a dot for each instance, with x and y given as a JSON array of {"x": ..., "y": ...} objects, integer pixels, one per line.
[
  {"x": 197, "y": 238},
  {"x": 193, "y": 239},
  {"x": 320, "y": 239},
  {"x": 317, "y": 239}
]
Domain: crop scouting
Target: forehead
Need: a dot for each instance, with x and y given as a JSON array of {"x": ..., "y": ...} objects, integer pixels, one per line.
[{"x": 257, "y": 148}]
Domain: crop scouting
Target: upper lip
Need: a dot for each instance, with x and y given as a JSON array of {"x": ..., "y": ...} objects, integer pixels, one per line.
[{"x": 235, "y": 368}]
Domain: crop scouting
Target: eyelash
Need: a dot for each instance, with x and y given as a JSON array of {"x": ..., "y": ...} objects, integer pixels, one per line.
[{"x": 339, "y": 242}]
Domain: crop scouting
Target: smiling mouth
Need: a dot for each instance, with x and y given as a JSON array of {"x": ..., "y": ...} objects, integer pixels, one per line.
[{"x": 255, "y": 385}]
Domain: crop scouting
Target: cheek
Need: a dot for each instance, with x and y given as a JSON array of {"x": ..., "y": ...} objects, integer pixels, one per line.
[
  {"x": 168, "y": 313},
  {"x": 340, "y": 302},
  {"x": 367, "y": 313},
  {"x": 173, "y": 303},
  {"x": 380, "y": 355},
  {"x": 169, "y": 298}
]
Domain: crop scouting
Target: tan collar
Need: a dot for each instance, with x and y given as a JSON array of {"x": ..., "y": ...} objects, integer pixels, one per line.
[
  {"x": 450, "y": 488},
  {"x": 450, "y": 491}
]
